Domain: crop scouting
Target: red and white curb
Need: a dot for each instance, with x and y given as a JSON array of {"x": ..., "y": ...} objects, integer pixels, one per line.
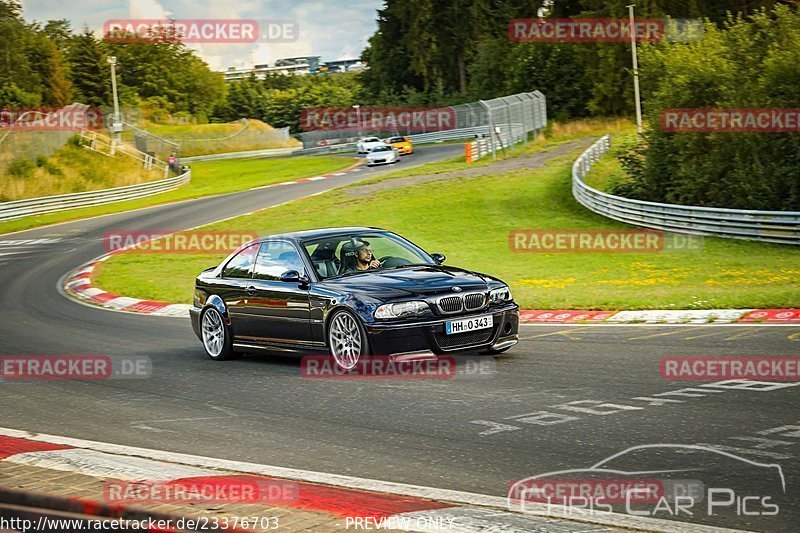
[
  {"x": 357, "y": 167},
  {"x": 78, "y": 284},
  {"x": 663, "y": 316},
  {"x": 393, "y": 505}
]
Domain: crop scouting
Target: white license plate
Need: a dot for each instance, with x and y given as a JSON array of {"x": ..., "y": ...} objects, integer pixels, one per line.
[{"x": 468, "y": 324}]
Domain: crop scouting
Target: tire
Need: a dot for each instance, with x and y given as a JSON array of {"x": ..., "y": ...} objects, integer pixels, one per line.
[
  {"x": 216, "y": 336},
  {"x": 346, "y": 339}
]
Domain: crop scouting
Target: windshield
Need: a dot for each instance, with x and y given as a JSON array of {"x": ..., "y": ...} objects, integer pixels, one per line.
[
  {"x": 381, "y": 149},
  {"x": 372, "y": 140},
  {"x": 396, "y": 140},
  {"x": 354, "y": 253}
]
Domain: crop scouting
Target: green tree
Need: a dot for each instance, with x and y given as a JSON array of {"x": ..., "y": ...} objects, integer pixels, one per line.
[
  {"x": 89, "y": 71},
  {"x": 748, "y": 62}
]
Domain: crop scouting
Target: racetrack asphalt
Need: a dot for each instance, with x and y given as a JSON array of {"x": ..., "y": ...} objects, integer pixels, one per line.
[{"x": 566, "y": 397}]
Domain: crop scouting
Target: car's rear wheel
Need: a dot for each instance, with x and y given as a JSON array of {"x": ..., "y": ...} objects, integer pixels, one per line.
[
  {"x": 347, "y": 339},
  {"x": 216, "y": 335}
]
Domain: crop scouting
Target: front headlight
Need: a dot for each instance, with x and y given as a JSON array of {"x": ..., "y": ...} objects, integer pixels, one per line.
[
  {"x": 503, "y": 294},
  {"x": 402, "y": 309}
]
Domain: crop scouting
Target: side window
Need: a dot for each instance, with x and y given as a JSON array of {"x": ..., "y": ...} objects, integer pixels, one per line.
[
  {"x": 241, "y": 265},
  {"x": 275, "y": 258}
]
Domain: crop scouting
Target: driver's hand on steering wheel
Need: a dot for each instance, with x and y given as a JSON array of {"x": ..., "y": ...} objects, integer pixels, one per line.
[{"x": 374, "y": 263}]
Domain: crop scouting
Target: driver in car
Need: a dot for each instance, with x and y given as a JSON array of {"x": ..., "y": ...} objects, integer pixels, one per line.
[{"x": 364, "y": 258}]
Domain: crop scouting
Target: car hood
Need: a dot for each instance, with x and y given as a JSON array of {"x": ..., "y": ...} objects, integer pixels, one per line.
[
  {"x": 412, "y": 281},
  {"x": 374, "y": 155}
]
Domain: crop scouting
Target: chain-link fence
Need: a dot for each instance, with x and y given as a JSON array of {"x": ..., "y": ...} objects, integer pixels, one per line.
[
  {"x": 504, "y": 121},
  {"x": 29, "y": 134},
  {"x": 245, "y": 139},
  {"x": 153, "y": 145},
  {"x": 511, "y": 118}
]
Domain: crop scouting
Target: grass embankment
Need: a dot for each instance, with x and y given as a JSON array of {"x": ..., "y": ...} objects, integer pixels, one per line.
[
  {"x": 202, "y": 139},
  {"x": 208, "y": 178},
  {"x": 70, "y": 169},
  {"x": 467, "y": 212}
]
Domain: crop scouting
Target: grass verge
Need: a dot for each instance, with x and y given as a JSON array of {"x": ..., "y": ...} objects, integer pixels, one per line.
[
  {"x": 468, "y": 216},
  {"x": 208, "y": 178}
]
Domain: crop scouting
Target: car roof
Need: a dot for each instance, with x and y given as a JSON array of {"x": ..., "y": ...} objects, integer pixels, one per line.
[{"x": 320, "y": 233}]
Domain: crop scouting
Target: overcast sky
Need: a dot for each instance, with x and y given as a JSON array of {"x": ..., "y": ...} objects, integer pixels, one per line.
[{"x": 333, "y": 29}]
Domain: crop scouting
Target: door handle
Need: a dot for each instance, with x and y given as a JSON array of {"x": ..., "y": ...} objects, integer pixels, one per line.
[{"x": 251, "y": 290}]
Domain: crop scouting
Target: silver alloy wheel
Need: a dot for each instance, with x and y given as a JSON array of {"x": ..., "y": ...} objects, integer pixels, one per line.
[
  {"x": 344, "y": 339},
  {"x": 213, "y": 332}
]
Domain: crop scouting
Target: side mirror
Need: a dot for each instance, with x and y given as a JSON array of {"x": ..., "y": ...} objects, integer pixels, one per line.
[
  {"x": 439, "y": 258},
  {"x": 293, "y": 276}
]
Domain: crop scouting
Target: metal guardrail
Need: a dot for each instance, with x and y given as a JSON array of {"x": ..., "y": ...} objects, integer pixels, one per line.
[
  {"x": 766, "y": 226},
  {"x": 50, "y": 204}
]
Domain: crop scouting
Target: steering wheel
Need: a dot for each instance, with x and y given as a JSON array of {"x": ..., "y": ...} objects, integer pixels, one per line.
[{"x": 391, "y": 261}]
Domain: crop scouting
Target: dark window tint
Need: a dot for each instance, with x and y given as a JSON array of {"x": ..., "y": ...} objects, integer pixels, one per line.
[
  {"x": 275, "y": 258},
  {"x": 242, "y": 263}
]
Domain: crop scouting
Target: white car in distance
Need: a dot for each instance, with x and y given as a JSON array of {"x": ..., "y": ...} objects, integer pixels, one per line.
[
  {"x": 365, "y": 145},
  {"x": 382, "y": 155}
]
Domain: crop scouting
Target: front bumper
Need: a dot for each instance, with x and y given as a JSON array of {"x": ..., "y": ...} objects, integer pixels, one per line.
[{"x": 392, "y": 338}]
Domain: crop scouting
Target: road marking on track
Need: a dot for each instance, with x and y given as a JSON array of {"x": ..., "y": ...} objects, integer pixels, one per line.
[
  {"x": 704, "y": 335},
  {"x": 564, "y": 333},
  {"x": 744, "y": 334},
  {"x": 654, "y": 335}
]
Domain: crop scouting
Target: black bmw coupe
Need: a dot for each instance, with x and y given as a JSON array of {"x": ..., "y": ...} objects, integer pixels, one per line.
[{"x": 351, "y": 293}]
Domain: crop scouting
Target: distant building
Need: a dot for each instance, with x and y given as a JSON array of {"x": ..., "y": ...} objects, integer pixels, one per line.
[
  {"x": 342, "y": 65},
  {"x": 311, "y": 62},
  {"x": 294, "y": 66}
]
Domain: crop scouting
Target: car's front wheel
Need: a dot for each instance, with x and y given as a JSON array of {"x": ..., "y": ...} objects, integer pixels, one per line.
[
  {"x": 347, "y": 339},
  {"x": 217, "y": 339}
]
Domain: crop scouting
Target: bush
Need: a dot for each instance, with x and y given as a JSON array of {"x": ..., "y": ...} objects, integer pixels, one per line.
[
  {"x": 750, "y": 62},
  {"x": 45, "y": 163},
  {"x": 21, "y": 168},
  {"x": 76, "y": 141}
]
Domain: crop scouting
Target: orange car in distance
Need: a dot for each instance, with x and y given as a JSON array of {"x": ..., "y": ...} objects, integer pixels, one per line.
[{"x": 403, "y": 145}]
